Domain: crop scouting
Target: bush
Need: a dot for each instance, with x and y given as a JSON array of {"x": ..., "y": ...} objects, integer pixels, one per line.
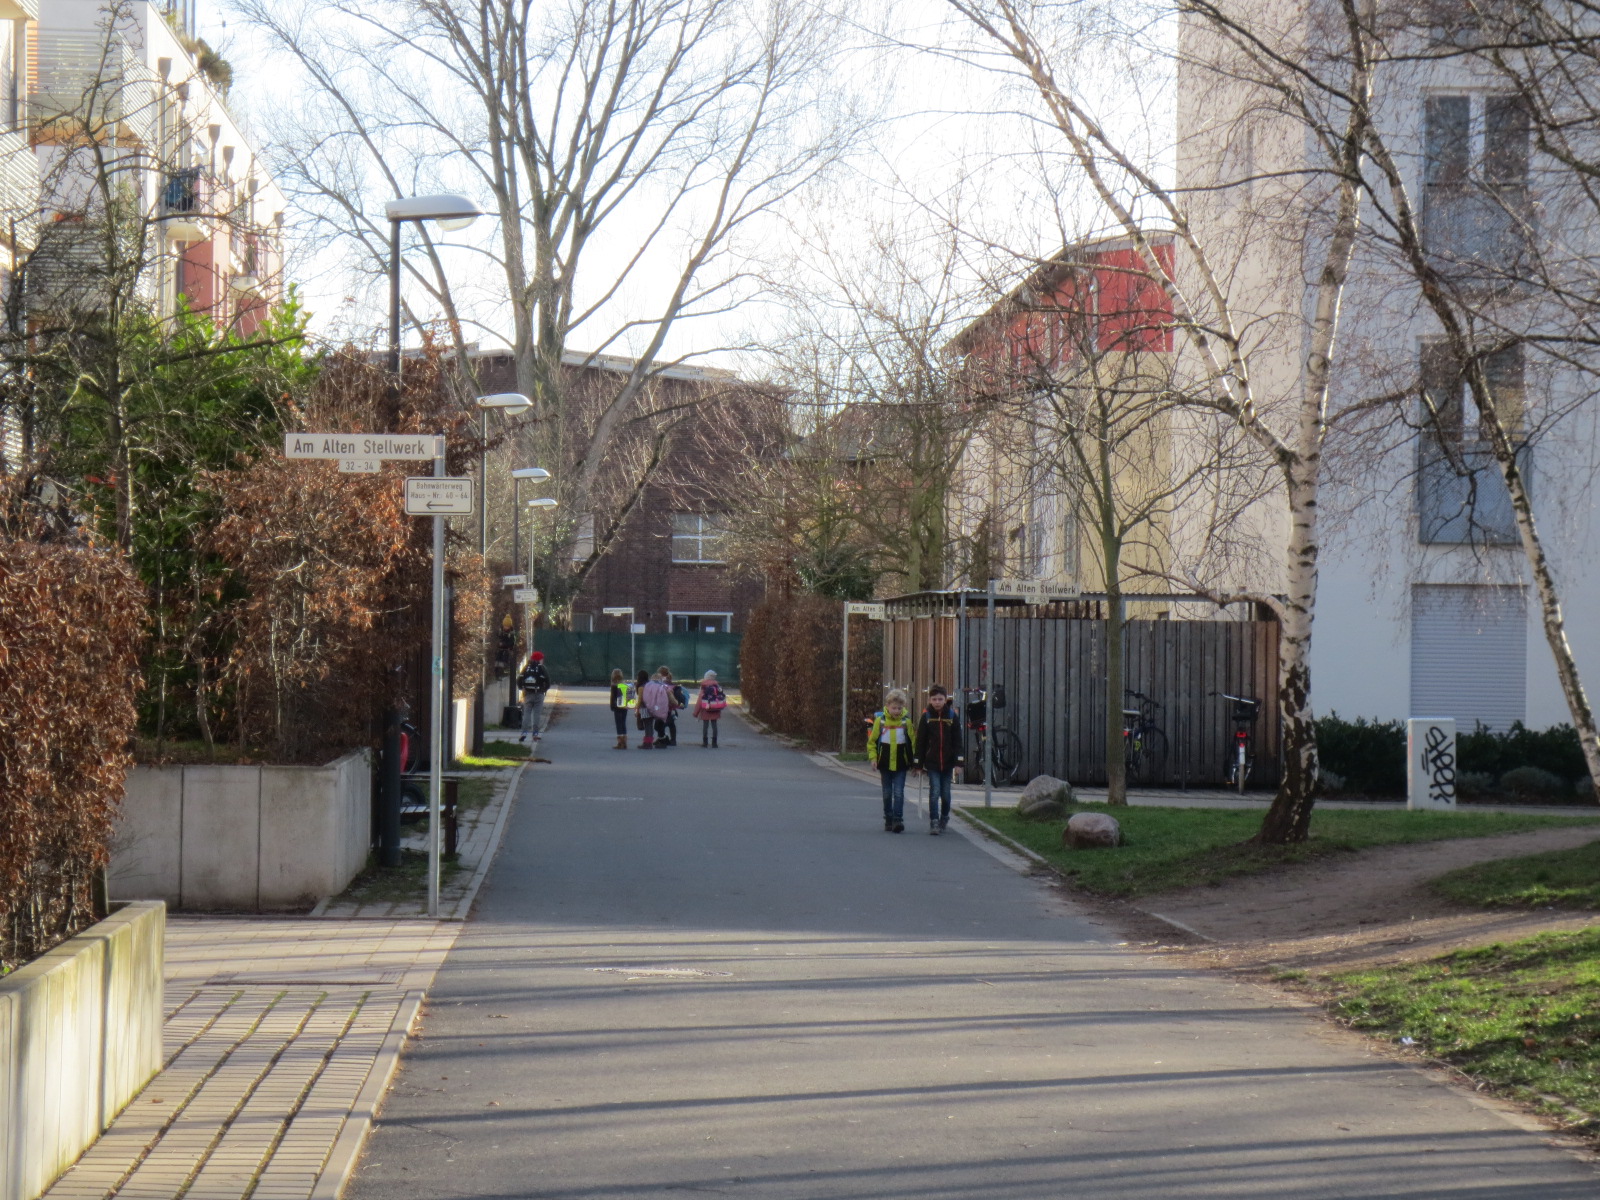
[
  {"x": 1555, "y": 750},
  {"x": 1332, "y": 782},
  {"x": 1473, "y": 783},
  {"x": 70, "y": 621},
  {"x": 1369, "y": 757},
  {"x": 789, "y": 664},
  {"x": 1532, "y": 782}
]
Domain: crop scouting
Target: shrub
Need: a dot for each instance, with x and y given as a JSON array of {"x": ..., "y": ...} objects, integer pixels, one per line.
[
  {"x": 1532, "y": 782},
  {"x": 1473, "y": 783},
  {"x": 70, "y": 621},
  {"x": 1555, "y": 750},
  {"x": 1369, "y": 757},
  {"x": 789, "y": 664},
  {"x": 1332, "y": 781}
]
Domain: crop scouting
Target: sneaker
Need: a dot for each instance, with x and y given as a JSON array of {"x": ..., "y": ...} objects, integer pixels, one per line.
[
  {"x": 936, "y": 830},
  {"x": 522, "y": 737},
  {"x": 899, "y": 826},
  {"x": 888, "y": 825}
]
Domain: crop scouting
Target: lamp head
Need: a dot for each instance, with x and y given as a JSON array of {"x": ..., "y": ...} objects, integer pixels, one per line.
[
  {"x": 452, "y": 212},
  {"x": 510, "y": 400},
  {"x": 530, "y": 473},
  {"x": 542, "y": 502}
]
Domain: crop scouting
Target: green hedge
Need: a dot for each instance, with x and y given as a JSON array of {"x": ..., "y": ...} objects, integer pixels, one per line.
[{"x": 1370, "y": 756}]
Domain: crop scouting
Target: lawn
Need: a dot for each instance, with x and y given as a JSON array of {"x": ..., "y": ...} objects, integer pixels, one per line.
[
  {"x": 1560, "y": 879},
  {"x": 1183, "y": 847},
  {"x": 394, "y": 885},
  {"x": 1522, "y": 1016},
  {"x": 495, "y": 754}
]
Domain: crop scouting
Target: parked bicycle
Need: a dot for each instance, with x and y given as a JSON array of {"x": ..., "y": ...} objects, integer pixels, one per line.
[
  {"x": 1144, "y": 742},
  {"x": 1005, "y": 747},
  {"x": 1242, "y": 754}
]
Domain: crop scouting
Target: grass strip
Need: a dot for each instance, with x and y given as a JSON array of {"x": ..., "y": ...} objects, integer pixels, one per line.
[
  {"x": 495, "y": 754},
  {"x": 393, "y": 885},
  {"x": 1185, "y": 847},
  {"x": 1559, "y": 879},
  {"x": 1522, "y": 1016}
]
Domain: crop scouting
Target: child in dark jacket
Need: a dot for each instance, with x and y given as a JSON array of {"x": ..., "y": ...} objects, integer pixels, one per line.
[{"x": 940, "y": 746}]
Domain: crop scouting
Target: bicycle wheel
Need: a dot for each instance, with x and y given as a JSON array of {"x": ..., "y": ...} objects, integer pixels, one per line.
[
  {"x": 1149, "y": 761},
  {"x": 1241, "y": 767},
  {"x": 1005, "y": 755}
]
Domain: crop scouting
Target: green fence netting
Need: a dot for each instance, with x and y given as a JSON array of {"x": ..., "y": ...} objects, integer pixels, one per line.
[{"x": 589, "y": 657}]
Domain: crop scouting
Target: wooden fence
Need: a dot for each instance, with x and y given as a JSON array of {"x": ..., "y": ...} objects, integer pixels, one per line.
[{"x": 1052, "y": 668}]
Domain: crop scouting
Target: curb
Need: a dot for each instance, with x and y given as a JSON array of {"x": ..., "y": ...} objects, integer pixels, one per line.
[
  {"x": 341, "y": 1162},
  {"x": 464, "y": 905}
]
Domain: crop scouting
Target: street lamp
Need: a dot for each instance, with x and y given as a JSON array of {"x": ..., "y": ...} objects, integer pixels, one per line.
[
  {"x": 510, "y": 402},
  {"x": 517, "y": 476},
  {"x": 533, "y": 561},
  {"x": 451, "y": 212}
]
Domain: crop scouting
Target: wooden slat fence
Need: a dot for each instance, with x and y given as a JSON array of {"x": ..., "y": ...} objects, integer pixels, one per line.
[{"x": 1053, "y": 672}]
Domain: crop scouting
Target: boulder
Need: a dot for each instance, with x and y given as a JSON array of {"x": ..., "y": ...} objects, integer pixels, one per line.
[
  {"x": 1044, "y": 799},
  {"x": 1091, "y": 831}
]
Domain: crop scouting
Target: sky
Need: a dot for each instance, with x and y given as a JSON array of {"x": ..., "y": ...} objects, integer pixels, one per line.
[{"x": 956, "y": 168}]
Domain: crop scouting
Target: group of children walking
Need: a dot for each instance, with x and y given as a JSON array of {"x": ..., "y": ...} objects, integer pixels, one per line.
[
  {"x": 934, "y": 745},
  {"x": 656, "y": 700}
]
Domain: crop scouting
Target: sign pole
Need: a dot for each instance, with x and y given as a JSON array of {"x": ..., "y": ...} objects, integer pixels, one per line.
[
  {"x": 436, "y": 707},
  {"x": 844, "y": 687},
  {"x": 988, "y": 703}
]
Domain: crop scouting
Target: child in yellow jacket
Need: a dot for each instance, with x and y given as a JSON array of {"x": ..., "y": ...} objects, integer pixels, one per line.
[{"x": 892, "y": 749}]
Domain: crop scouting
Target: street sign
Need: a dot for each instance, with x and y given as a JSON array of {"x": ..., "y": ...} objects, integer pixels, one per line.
[
  {"x": 617, "y": 612},
  {"x": 360, "y": 466},
  {"x": 636, "y": 628},
  {"x": 362, "y": 445},
  {"x": 1034, "y": 591},
  {"x": 434, "y": 496},
  {"x": 525, "y": 595},
  {"x": 859, "y": 608},
  {"x": 513, "y": 580}
]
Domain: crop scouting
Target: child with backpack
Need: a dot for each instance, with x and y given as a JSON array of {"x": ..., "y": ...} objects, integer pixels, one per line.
[
  {"x": 708, "y": 708},
  {"x": 621, "y": 702},
  {"x": 892, "y": 748},
  {"x": 647, "y": 728}
]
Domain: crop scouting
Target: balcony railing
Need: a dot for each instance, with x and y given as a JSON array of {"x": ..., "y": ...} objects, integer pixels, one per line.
[{"x": 92, "y": 84}]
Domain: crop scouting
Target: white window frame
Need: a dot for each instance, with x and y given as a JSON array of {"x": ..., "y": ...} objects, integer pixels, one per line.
[
  {"x": 700, "y": 537},
  {"x": 727, "y": 619}
]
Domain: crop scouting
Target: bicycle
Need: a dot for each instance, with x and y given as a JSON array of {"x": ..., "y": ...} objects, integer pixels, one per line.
[
  {"x": 1144, "y": 743},
  {"x": 1005, "y": 747},
  {"x": 1241, "y": 757}
]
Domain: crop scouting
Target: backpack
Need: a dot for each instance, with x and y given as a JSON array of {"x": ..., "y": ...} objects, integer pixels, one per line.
[{"x": 681, "y": 696}]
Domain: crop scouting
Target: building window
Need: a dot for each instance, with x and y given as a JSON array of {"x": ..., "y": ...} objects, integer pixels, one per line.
[
  {"x": 1476, "y": 206},
  {"x": 1461, "y": 492},
  {"x": 697, "y": 538},
  {"x": 699, "y": 622}
]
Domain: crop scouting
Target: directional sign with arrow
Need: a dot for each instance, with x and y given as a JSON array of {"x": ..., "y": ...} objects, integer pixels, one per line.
[{"x": 438, "y": 497}]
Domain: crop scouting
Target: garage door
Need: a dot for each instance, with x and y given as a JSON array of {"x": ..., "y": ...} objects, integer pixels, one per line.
[{"x": 1469, "y": 654}]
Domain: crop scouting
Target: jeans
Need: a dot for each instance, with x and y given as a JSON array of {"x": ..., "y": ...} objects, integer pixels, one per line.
[
  {"x": 620, "y": 716},
  {"x": 532, "y": 713},
  {"x": 894, "y": 794},
  {"x": 939, "y": 796},
  {"x": 708, "y": 733}
]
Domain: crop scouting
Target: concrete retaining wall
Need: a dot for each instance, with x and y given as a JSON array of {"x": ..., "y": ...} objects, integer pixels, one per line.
[
  {"x": 80, "y": 1034},
  {"x": 242, "y": 837}
]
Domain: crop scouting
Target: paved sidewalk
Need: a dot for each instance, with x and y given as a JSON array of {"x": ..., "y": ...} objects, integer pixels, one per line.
[{"x": 281, "y": 1037}]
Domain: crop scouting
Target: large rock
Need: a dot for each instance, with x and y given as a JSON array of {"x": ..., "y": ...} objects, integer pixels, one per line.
[
  {"x": 1091, "y": 831},
  {"x": 1044, "y": 799}
]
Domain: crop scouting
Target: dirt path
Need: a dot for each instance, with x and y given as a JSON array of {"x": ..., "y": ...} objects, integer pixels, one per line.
[{"x": 1361, "y": 908}]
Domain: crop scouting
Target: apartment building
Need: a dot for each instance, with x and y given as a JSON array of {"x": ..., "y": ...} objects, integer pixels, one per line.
[
  {"x": 130, "y": 123},
  {"x": 1425, "y": 605},
  {"x": 1085, "y": 331}
]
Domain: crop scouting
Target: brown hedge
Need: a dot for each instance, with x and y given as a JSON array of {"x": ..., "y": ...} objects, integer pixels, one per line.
[
  {"x": 70, "y": 625},
  {"x": 790, "y": 663}
]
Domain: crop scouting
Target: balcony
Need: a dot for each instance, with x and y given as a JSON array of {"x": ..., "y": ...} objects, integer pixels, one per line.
[
  {"x": 185, "y": 197},
  {"x": 19, "y": 187},
  {"x": 91, "y": 86}
]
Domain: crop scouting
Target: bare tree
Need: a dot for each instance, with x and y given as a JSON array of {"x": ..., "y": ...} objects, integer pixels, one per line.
[{"x": 632, "y": 153}]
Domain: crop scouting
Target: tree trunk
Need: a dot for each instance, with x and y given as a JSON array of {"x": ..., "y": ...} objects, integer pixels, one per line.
[{"x": 1116, "y": 763}]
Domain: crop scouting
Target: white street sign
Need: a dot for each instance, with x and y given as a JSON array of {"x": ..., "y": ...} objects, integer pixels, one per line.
[
  {"x": 433, "y": 496},
  {"x": 617, "y": 612},
  {"x": 360, "y": 466},
  {"x": 859, "y": 608},
  {"x": 636, "y": 628},
  {"x": 1034, "y": 591},
  {"x": 525, "y": 595},
  {"x": 513, "y": 580},
  {"x": 1431, "y": 762},
  {"x": 362, "y": 445}
]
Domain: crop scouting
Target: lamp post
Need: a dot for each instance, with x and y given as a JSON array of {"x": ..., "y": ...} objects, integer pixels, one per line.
[
  {"x": 452, "y": 213},
  {"x": 533, "y": 563},
  {"x": 508, "y": 402},
  {"x": 517, "y": 476},
  {"x": 627, "y": 612}
]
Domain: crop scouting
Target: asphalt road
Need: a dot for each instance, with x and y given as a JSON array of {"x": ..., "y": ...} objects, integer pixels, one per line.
[{"x": 712, "y": 972}]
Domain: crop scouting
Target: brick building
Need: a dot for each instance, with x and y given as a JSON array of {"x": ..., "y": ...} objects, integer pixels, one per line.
[{"x": 668, "y": 561}]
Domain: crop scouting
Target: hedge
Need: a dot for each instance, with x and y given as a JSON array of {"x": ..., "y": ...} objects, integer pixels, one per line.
[{"x": 790, "y": 664}]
